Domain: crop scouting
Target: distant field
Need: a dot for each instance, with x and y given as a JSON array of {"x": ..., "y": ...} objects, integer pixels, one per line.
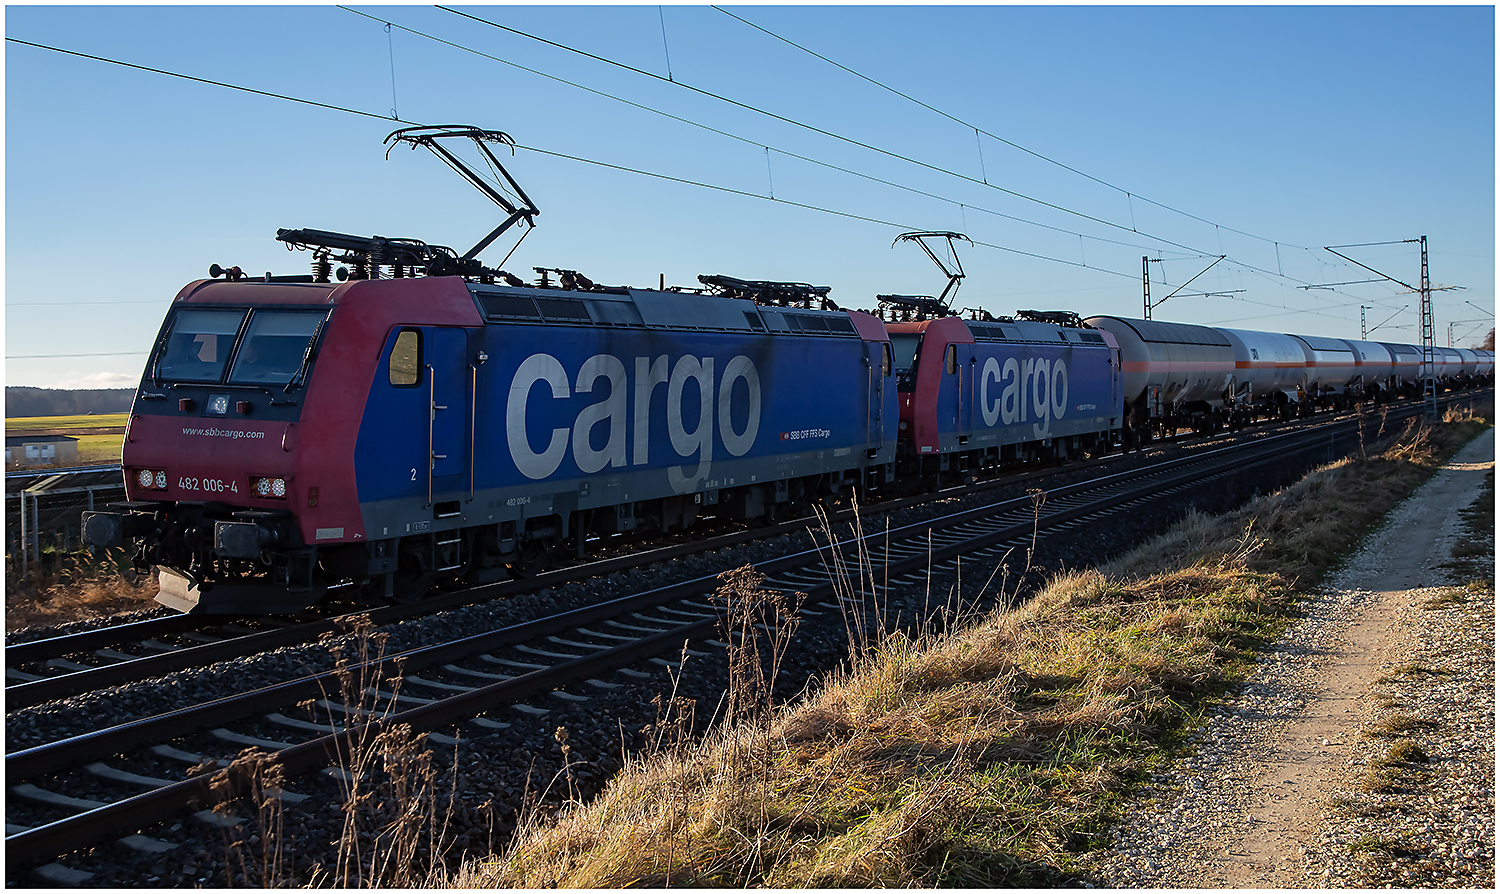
[
  {"x": 99, "y": 437},
  {"x": 74, "y": 426}
]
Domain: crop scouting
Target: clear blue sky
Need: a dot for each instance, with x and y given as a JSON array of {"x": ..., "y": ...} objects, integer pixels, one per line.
[{"x": 1261, "y": 133}]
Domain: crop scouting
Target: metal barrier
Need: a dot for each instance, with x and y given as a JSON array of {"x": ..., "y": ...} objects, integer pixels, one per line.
[{"x": 48, "y": 507}]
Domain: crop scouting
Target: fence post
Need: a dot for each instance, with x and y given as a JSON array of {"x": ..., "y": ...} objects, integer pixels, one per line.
[
  {"x": 36, "y": 527},
  {"x": 22, "y": 541}
]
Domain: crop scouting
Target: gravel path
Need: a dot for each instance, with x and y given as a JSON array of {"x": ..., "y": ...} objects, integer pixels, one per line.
[{"x": 1361, "y": 753}]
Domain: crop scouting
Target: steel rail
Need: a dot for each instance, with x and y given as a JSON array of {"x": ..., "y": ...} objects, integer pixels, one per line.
[
  {"x": 57, "y": 646},
  {"x": 92, "y": 826}
]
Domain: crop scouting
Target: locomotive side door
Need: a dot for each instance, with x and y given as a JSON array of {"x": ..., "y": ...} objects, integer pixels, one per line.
[
  {"x": 448, "y": 408},
  {"x": 959, "y": 362},
  {"x": 878, "y": 360},
  {"x": 967, "y": 377}
]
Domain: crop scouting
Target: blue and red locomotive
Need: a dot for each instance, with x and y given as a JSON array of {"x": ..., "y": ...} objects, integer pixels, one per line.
[{"x": 289, "y": 437}]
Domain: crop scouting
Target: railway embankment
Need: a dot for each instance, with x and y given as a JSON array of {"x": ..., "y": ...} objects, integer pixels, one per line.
[{"x": 1292, "y": 694}]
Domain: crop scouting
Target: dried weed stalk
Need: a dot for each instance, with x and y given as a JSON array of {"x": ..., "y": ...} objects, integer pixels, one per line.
[{"x": 396, "y": 811}]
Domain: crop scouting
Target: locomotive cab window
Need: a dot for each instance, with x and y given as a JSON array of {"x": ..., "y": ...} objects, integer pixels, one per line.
[
  {"x": 952, "y": 359},
  {"x": 199, "y": 345},
  {"x": 885, "y": 359},
  {"x": 275, "y": 347},
  {"x": 905, "y": 348},
  {"x": 406, "y": 359}
]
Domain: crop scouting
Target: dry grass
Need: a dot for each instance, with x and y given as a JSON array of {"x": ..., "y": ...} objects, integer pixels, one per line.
[
  {"x": 74, "y": 587},
  {"x": 932, "y": 765},
  {"x": 990, "y": 756},
  {"x": 1474, "y": 553},
  {"x": 1405, "y": 752},
  {"x": 1395, "y": 725},
  {"x": 1412, "y": 669}
]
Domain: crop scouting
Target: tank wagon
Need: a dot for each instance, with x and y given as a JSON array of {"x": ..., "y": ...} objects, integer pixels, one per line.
[
  {"x": 1173, "y": 375},
  {"x": 1330, "y": 372},
  {"x": 1178, "y": 375},
  {"x": 1406, "y": 366},
  {"x": 1373, "y": 367},
  {"x": 1270, "y": 372}
]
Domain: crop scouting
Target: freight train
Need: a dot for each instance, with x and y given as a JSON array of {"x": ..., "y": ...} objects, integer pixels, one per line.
[{"x": 421, "y": 417}]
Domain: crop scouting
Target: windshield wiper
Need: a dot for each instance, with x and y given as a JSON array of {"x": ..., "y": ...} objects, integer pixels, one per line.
[{"x": 307, "y": 357}]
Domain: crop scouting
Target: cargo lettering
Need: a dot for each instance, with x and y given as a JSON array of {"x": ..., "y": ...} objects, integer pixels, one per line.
[
  {"x": 1034, "y": 387},
  {"x": 688, "y": 376}
]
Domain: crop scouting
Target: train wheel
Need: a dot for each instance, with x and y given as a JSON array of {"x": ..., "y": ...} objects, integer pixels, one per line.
[{"x": 414, "y": 573}]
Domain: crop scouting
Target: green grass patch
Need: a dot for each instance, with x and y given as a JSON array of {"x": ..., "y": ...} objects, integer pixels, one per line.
[
  {"x": 100, "y": 448},
  {"x": 1370, "y": 843}
]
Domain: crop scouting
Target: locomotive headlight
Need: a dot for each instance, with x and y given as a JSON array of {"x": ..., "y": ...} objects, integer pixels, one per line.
[
  {"x": 218, "y": 405},
  {"x": 147, "y": 477},
  {"x": 271, "y": 487},
  {"x": 161, "y": 480},
  {"x": 152, "y": 479}
]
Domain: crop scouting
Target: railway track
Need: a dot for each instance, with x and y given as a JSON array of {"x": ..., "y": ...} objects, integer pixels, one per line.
[
  {"x": 80, "y": 790},
  {"x": 57, "y": 667}
]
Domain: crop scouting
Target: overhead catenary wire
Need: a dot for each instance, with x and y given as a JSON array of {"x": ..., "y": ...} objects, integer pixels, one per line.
[
  {"x": 978, "y": 130},
  {"x": 810, "y": 127},
  {"x": 887, "y": 153},
  {"x": 209, "y": 81},
  {"x": 333, "y": 107},
  {"x": 844, "y": 214},
  {"x": 750, "y": 141}
]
